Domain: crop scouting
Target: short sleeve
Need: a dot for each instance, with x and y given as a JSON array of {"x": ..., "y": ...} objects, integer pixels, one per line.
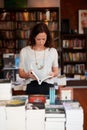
[{"x": 55, "y": 57}]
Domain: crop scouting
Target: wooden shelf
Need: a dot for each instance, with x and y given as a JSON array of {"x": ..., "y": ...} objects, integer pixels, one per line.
[
  {"x": 77, "y": 83},
  {"x": 74, "y": 54}
]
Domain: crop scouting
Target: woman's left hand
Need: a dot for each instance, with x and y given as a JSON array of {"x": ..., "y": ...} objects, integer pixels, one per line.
[{"x": 52, "y": 74}]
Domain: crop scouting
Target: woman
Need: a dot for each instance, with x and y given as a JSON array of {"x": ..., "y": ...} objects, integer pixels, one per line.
[{"x": 39, "y": 57}]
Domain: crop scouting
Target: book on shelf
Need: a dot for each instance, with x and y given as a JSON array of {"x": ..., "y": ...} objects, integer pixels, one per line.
[
  {"x": 40, "y": 79},
  {"x": 25, "y": 16}
]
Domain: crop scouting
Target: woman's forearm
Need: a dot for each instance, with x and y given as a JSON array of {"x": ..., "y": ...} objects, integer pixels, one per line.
[
  {"x": 23, "y": 74},
  {"x": 26, "y": 75},
  {"x": 55, "y": 71}
]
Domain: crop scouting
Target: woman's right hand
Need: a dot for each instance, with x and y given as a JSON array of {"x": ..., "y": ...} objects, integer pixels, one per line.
[
  {"x": 30, "y": 75},
  {"x": 25, "y": 75}
]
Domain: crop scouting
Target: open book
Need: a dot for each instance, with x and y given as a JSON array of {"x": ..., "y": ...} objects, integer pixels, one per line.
[{"x": 39, "y": 79}]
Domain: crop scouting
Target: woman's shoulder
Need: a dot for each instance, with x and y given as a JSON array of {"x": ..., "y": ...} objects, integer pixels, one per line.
[
  {"x": 52, "y": 49},
  {"x": 26, "y": 48}
]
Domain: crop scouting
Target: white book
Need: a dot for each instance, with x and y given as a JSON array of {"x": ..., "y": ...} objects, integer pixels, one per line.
[
  {"x": 15, "y": 117},
  {"x": 35, "y": 119},
  {"x": 41, "y": 79},
  {"x": 5, "y": 91},
  {"x": 2, "y": 118}
]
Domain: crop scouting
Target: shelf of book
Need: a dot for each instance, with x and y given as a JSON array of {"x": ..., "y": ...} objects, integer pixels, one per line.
[{"x": 74, "y": 54}]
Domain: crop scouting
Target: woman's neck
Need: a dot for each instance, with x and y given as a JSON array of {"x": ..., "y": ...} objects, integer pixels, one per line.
[{"x": 38, "y": 48}]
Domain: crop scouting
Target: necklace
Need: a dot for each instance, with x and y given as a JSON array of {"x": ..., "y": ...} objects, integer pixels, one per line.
[{"x": 39, "y": 67}]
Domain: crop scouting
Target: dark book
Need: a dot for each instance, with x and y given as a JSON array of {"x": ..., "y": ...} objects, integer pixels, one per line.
[{"x": 9, "y": 60}]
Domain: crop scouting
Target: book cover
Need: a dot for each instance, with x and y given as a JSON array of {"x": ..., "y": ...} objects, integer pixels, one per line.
[
  {"x": 40, "y": 79},
  {"x": 17, "y": 60},
  {"x": 9, "y": 74},
  {"x": 8, "y": 60}
]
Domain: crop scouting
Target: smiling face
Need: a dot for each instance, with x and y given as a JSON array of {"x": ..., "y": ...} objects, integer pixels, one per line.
[{"x": 40, "y": 39}]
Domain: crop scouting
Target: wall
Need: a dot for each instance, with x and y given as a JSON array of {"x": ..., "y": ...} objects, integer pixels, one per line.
[
  {"x": 43, "y": 3},
  {"x": 1, "y": 3},
  {"x": 69, "y": 10}
]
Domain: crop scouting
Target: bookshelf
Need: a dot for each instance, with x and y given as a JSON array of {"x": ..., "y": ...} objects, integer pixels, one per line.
[
  {"x": 16, "y": 24},
  {"x": 74, "y": 54}
]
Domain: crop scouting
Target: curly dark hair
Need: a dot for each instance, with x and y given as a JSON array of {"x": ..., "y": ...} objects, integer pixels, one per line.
[{"x": 40, "y": 28}]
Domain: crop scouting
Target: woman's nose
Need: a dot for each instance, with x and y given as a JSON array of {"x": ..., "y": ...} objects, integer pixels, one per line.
[{"x": 41, "y": 41}]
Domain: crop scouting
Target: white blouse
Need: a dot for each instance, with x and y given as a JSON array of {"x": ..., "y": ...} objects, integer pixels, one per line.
[{"x": 41, "y": 62}]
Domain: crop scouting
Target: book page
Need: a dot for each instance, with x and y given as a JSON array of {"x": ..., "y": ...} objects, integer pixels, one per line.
[{"x": 40, "y": 80}]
